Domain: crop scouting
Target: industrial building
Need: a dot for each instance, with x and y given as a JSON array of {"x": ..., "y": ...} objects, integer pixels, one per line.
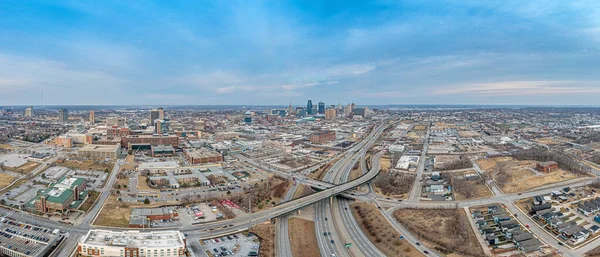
[
  {"x": 203, "y": 156},
  {"x": 322, "y": 137},
  {"x": 100, "y": 152},
  {"x": 149, "y": 139},
  {"x": 132, "y": 243}
]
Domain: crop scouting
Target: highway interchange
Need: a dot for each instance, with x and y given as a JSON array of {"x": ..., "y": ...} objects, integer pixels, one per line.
[{"x": 334, "y": 223}]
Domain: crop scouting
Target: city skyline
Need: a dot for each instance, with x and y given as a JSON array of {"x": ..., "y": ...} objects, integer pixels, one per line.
[{"x": 517, "y": 53}]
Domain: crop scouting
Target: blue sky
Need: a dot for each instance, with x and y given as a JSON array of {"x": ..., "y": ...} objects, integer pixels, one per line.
[{"x": 280, "y": 52}]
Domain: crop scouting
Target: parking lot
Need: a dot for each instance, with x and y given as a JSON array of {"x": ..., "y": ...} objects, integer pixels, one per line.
[
  {"x": 198, "y": 214},
  {"x": 233, "y": 245}
]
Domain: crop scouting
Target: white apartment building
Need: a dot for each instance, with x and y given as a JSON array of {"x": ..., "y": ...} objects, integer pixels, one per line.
[{"x": 132, "y": 243}]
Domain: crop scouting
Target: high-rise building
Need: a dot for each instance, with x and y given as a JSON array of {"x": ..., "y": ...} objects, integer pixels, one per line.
[
  {"x": 290, "y": 110},
  {"x": 330, "y": 114},
  {"x": 161, "y": 126},
  {"x": 321, "y": 108},
  {"x": 352, "y": 106},
  {"x": 161, "y": 113},
  {"x": 29, "y": 112},
  {"x": 92, "y": 117},
  {"x": 63, "y": 115},
  {"x": 309, "y": 107},
  {"x": 154, "y": 115}
]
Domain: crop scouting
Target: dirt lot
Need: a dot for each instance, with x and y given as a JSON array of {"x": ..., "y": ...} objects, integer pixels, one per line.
[
  {"x": 302, "y": 190},
  {"x": 441, "y": 160},
  {"x": 86, "y": 165},
  {"x": 92, "y": 197},
  {"x": 467, "y": 133},
  {"x": 380, "y": 232},
  {"x": 6, "y": 147},
  {"x": 6, "y": 179},
  {"x": 547, "y": 141},
  {"x": 266, "y": 232},
  {"x": 25, "y": 168},
  {"x": 419, "y": 128},
  {"x": 303, "y": 238},
  {"x": 446, "y": 231},
  {"x": 143, "y": 186},
  {"x": 520, "y": 176},
  {"x": 116, "y": 214},
  {"x": 472, "y": 188},
  {"x": 385, "y": 164}
]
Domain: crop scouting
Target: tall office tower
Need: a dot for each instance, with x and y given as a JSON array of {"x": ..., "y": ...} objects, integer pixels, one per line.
[
  {"x": 352, "y": 106},
  {"x": 290, "y": 109},
  {"x": 161, "y": 113},
  {"x": 321, "y": 108},
  {"x": 92, "y": 117},
  {"x": 154, "y": 115},
  {"x": 29, "y": 112},
  {"x": 330, "y": 114},
  {"x": 309, "y": 107},
  {"x": 348, "y": 109},
  {"x": 339, "y": 108},
  {"x": 63, "y": 115}
]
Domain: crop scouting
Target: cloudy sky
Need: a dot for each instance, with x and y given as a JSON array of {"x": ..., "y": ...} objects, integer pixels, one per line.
[{"x": 280, "y": 52}]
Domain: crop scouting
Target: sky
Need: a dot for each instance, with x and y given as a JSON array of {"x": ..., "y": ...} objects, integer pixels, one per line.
[{"x": 280, "y": 52}]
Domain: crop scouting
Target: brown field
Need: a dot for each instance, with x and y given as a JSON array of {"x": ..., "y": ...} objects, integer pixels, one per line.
[
  {"x": 441, "y": 160},
  {"x": 89, "y": 202},
  {"x": 128, "y": 166},
  {"x": 385, "y": 164},
  {"x": 6, "y": 147},
  {"x": 520, "y": 177},
  {"x": 302, "y": 190},
  {"x": 547, "y": 141},
  {"x": 419, "y": 128},
  {"x": 25, "y": 168},
  {"x": 303, "y": 238},
  {"x": 266, "y": 232},
  {"x": 116, "y": 214},
  {"x": 479, "y": 189},
  {"x": 467, "y": 133},
  {"x": 443, "y": 125},
  {"x": 380, "y": 232},
  {"x": 143, "y": 186},
  {"x": 6, "y": 179},
  {"x": 86, "y": 165},
  {"x": 445, "y": 230}
]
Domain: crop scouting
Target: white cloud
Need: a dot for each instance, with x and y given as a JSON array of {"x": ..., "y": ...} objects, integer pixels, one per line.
[{"x": 516, "y": 88}]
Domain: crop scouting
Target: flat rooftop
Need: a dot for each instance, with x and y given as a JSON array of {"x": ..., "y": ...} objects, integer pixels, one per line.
[
  {"x": 134, "y": 238},
  {"x": 100, "y": 148},
  {"x": 158, "y": 165},
  {"x": 203, "y": 153}
]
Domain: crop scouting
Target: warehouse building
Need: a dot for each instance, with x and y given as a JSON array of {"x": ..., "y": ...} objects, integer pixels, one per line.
[{"x": 203, "y": 156}]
